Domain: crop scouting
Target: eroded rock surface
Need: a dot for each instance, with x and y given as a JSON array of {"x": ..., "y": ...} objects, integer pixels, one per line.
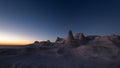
[{"x": 77, "y": 51}]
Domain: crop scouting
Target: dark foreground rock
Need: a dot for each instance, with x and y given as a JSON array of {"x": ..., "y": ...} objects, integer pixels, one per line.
[{"x": 52, "y": 59}]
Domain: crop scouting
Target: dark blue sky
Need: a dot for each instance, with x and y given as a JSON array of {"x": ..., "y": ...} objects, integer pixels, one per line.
[{"x": 47, "y": 19}]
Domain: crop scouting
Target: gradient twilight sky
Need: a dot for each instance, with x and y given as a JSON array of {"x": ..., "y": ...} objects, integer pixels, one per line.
[{"x": 30, "y": 20}]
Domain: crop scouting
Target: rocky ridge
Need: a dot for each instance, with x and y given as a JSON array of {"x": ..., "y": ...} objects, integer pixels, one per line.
[{"x": 77, "y": 51}]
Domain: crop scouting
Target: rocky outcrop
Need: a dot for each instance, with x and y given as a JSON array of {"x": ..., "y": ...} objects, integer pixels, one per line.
[
  {"x": 80, "y": 36},
  {"x": 91, "y": 37},
  {"x": 70, "y": 36},
  {"x": 60, "y": 40},
  {"x": 42, "y": 44},
  {"x": 115, "y": 39},
  {"x": 99, "y": 52},
  {"x": 104, "y": 41},
  {"x": 70, "y": 41},
  {"x": 36, "y": 42}
]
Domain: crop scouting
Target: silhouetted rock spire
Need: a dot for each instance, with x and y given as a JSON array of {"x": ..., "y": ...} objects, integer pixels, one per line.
[
  {"x": 70, "y": 36},
  {"x": 70, "y": 41},
  {"x": 60, "y": 40}
]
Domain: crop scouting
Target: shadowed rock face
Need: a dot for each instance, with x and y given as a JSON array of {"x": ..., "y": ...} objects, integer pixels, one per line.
[
  {"x": 80, "y": 36},
  {"x": 36, "y": 42},
  {"x": 60, "y": 40}
]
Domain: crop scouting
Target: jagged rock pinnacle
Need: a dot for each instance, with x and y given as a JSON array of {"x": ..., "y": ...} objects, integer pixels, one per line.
[
  {"x": 70, "y": 36},
  {"x": 70, "y": 41}
]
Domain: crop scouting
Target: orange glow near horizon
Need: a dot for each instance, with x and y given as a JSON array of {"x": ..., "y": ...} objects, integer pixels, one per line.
[
  {"x": 8, "y": 39},
  {"x": 14, "y": 43}
]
